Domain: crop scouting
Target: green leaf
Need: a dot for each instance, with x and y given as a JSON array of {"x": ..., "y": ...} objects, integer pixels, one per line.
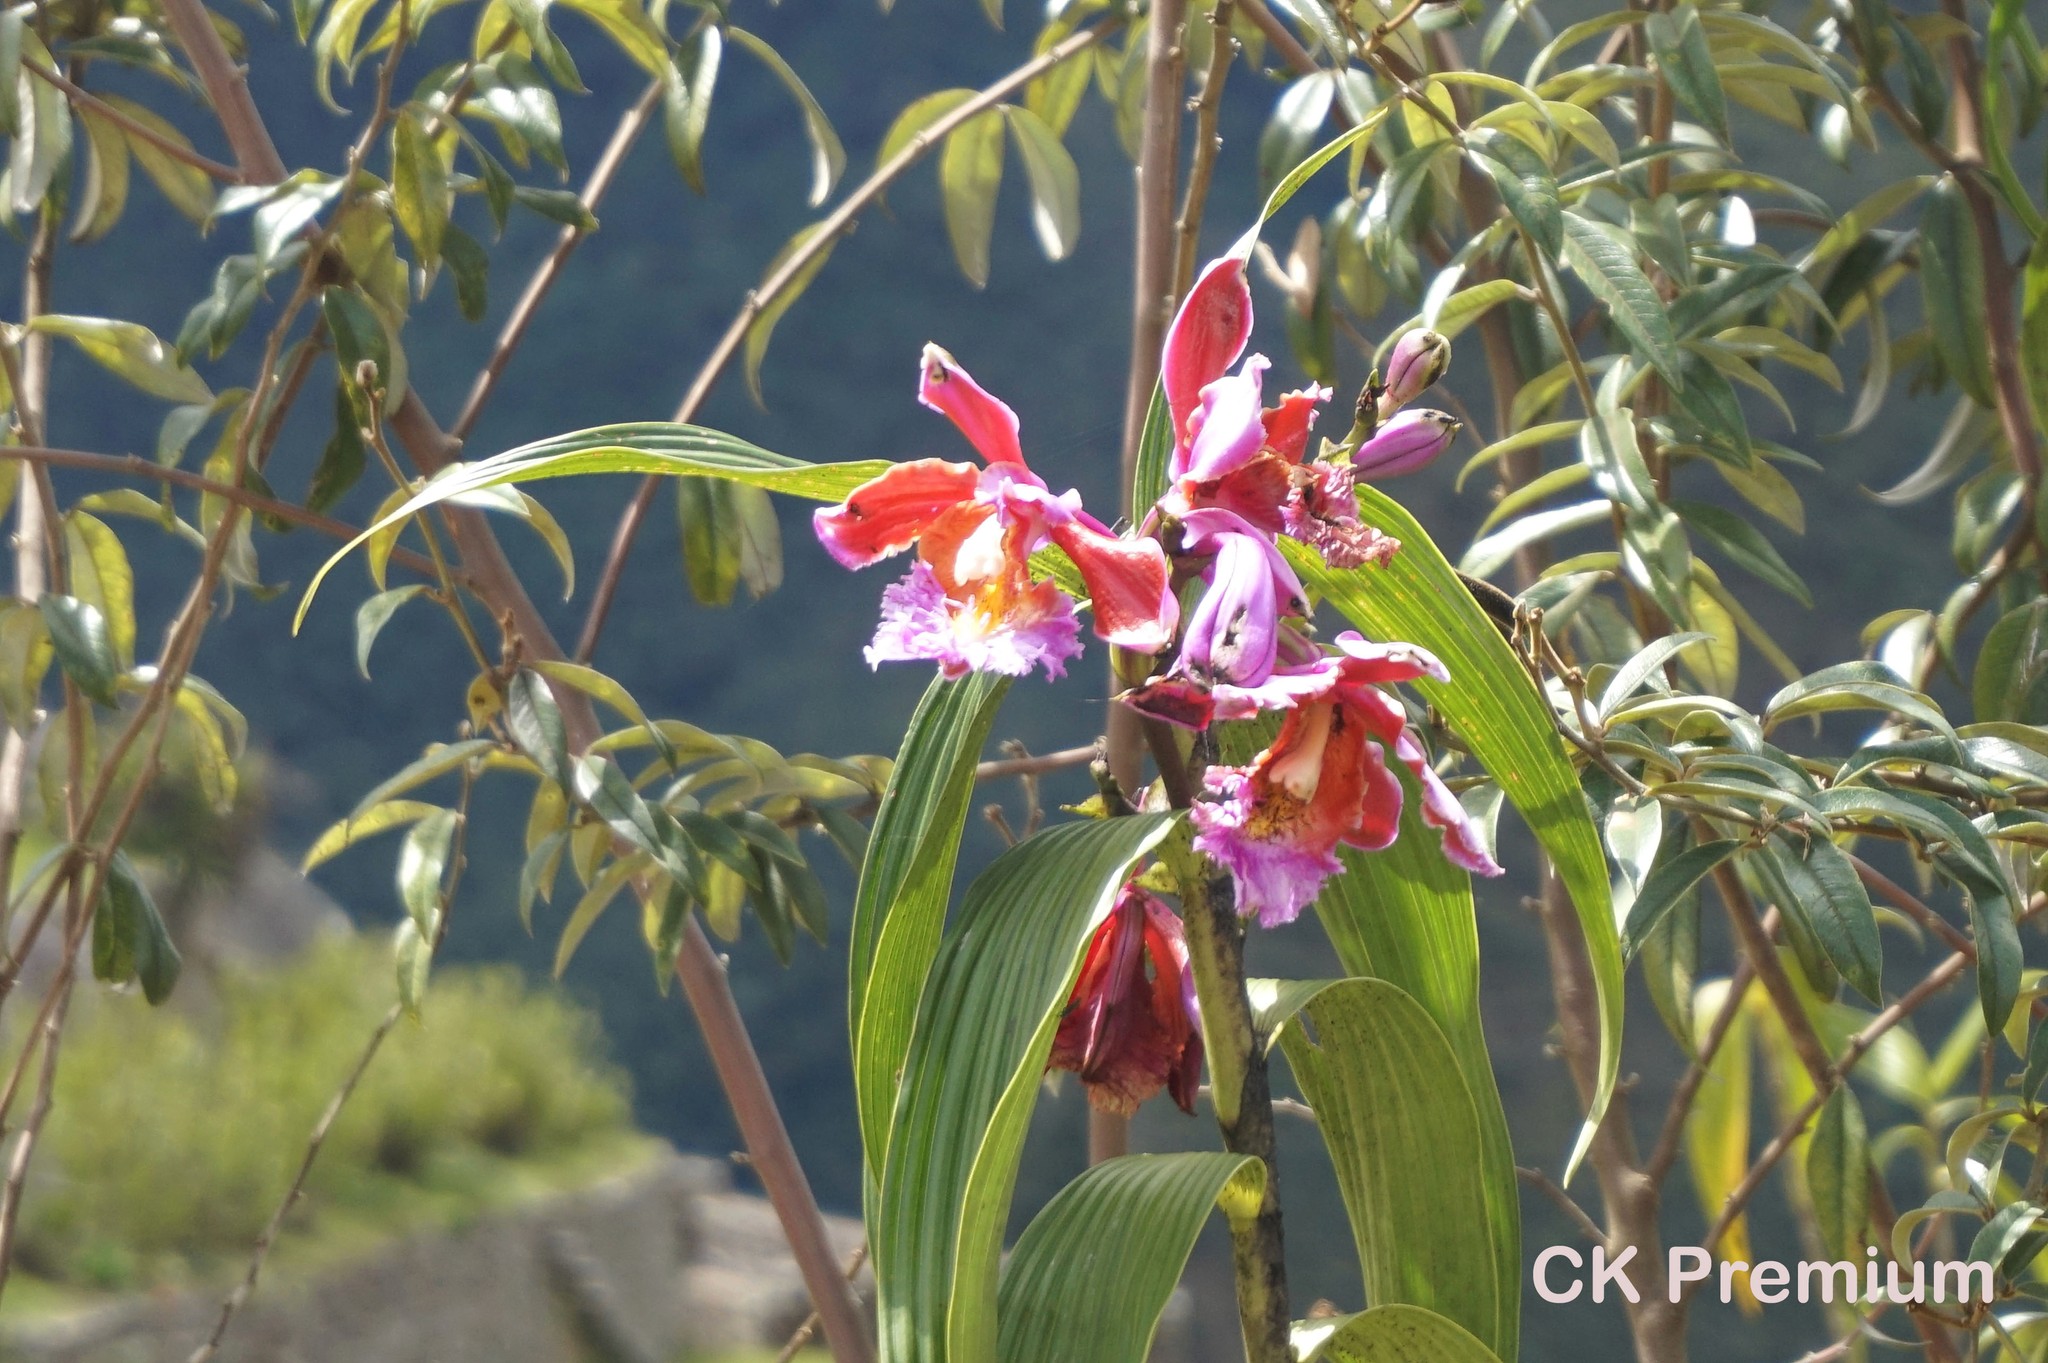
[
  {"x": 1687, "y": 64},
  {"x": 906, "y": 882},
  {"x": 535, "y": 723},
  {"x": 79, "y": 634},
  {"x": 1402, "y": 1133},
  {"x": 12, "y": 29},
  {"x": 43, "y": 143},
  {"x": 558, "y": 205},
  {"x": 1606, "y": 262},
  {"x": 101, "y": 577},
  {"x": 1093, "y": 1271},
  {"x": 373, "y": 615},
  {"x": 103, "y": 192},
  {"x": 1055, "y": 181},
  {"x": 1812, "y": 879},
  {"x": 1388, "y": 1334},
  {"x": 471, "y": 266},
  {"x": 1856, "y": 686},
  {"x": 2034, "y": 330},
  {"x": 421, "y": 198},
  {"x": 1405, "y": 915},
  {"x": 437, "y": 761},
  {"x": 730, "y": 536},
  {"x": 762, "y": 328},
  {"x": 422, "y": 864},
  {"x": 1952, "y": 289},
  {"x": 917, "y": 116},
  {"x": 1668, "y": 884},
  {"x": 378, "y": 818},
  {"x": 25, "y": 654},
  {"x": 2011, "y": 680},
  {"x": 358, "y": 335},
  {"x": 1838, "y": 1175},
  {"x": 1525, "y": 183},
  {"x": 970, "y": 173},
  {"x": 1290, "y": 133},
  {"x": 132, "y": 352},
  {"x": 129, "y": 939},
  {"x": 977, "y": 1054},
  {"x": 828, "y": 157},
  {"x": 660, "y": 447},
  {"x": 686, "y": 101},
  {"x": 1745, "y": 545},
  {"x": 1155, "y": 451},
  {"x": 1492, "y": 703}
]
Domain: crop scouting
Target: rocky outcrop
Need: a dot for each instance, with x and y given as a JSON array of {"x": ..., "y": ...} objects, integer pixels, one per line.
[{"x": 660, "y": 1262}]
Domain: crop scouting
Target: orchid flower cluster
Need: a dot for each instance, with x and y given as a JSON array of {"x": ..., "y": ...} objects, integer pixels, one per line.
[{"x": 1240, "y": 477}]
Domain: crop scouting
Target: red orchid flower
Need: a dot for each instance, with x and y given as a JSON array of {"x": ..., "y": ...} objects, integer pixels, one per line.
[{"x": 1126, "y": 1033}]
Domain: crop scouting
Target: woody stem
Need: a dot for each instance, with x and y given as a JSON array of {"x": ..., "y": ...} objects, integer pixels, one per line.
[{"x": 1241, "y": 1091}]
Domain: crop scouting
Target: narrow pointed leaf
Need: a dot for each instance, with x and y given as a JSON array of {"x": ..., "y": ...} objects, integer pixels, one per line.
[
  {"x": 984, "y": 1029},
  {"x": 1492, "y": 703},
  {"x": 906, "y": 882}
]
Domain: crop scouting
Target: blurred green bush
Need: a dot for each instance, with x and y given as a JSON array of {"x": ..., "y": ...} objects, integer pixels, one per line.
[{"x": 174, "y": 1135}]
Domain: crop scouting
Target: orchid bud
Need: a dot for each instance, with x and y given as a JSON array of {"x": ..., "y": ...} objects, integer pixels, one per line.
[
  {"x": 1406, "y": 443},
  {"x": 1419, "y": 360}
]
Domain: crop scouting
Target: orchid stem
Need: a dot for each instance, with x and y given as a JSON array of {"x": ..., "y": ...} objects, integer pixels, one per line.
[{"x": 1240, "y": 1090}]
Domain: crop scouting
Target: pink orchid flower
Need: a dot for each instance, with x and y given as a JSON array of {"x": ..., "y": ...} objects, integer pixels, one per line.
[
  {"x": 970, "y": 602},
  {"x": 1324, "y": 780},
  {"x": 1233, "y": 452}
]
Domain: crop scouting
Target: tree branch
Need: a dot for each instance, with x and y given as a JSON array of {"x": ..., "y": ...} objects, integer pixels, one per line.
[{"x": 703, "y": 979}]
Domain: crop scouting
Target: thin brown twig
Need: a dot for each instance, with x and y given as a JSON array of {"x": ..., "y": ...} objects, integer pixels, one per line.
[
  {"x": 268, "y": 1239},
  {"x": 1859, "y": 1045},
  {"x": 135, "y": 466},
  {"x": 804, "y": 1333},
  {"x": 602, "y": 174},
  {"x": 1545, "y": 1184},
  {"x": 169, "y": 146},
  {"x": 1208, "y": 142},
  {"x": 822, "y": 238},
  {"x": 1035, "y": 765}
]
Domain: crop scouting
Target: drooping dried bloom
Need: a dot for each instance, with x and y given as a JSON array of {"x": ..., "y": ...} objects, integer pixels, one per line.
[
  {"x": 1132, "y": 1026},
  {"x": 970, "y": 603}
]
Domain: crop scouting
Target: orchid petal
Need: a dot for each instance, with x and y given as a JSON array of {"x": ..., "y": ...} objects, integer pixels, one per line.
[
  {"x": 885, "y": 515},
  {"x": 987, "y": 422},
  {"x": 1208, "y": 334},
  {"x": 1287, "y": 425},
  {"x": 1228, "y": 427},
  {"x": 1129, "y": 585}
]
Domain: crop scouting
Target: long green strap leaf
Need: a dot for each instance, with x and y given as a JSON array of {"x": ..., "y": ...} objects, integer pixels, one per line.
[
  {"x": 670, "y": 448},
  {"x": 1404, "y": 1137},
  {"x": 984, "y": 1028},
  {"x": 899, "y": 908},
  {"x": 1388, "y": 1334},
  {"x": 1498, "y": 711},
  {"x": 1405, "y": 915},
  {"x": 1092, "y": 1273}
]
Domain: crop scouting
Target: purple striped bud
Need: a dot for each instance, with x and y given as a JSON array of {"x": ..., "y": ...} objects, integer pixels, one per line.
[
  {"x": 1419, "y": 360},
  {"x": 1406, "y": 443}
]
